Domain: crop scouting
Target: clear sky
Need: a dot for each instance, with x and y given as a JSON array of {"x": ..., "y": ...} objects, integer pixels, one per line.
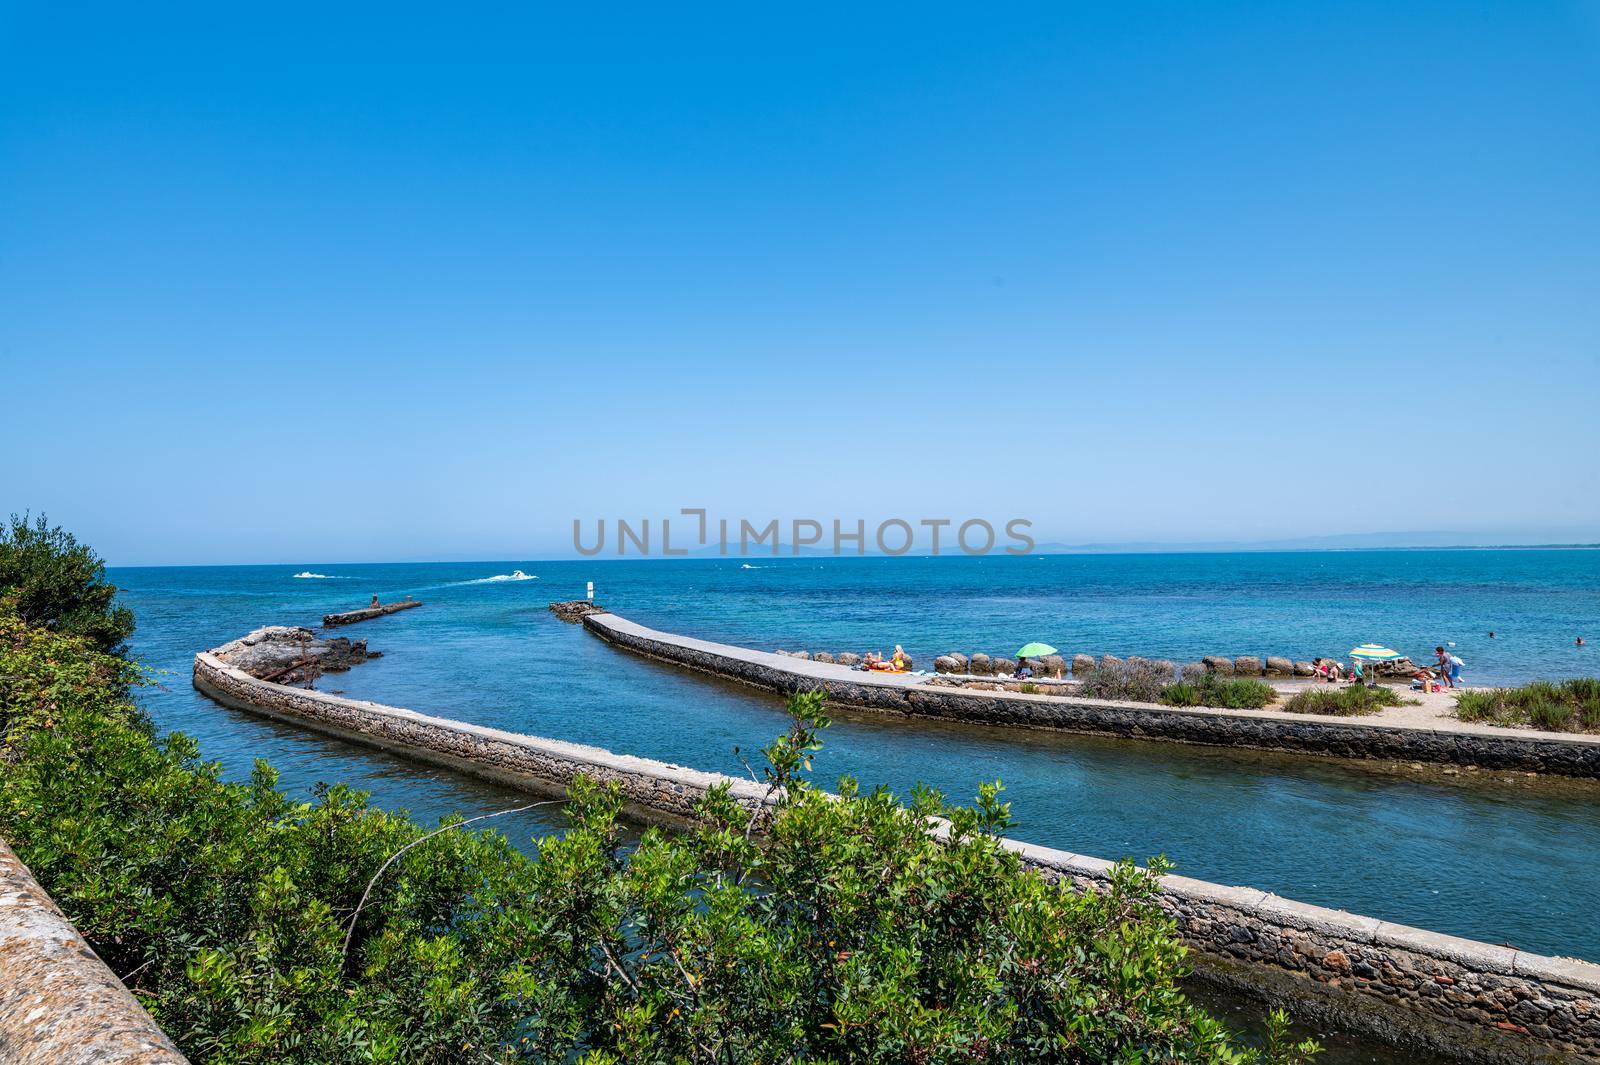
[{"x": 332, "y": 283}]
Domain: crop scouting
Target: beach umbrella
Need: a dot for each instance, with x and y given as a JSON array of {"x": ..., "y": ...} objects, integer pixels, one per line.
[
  {"x": 1373, "y": 652},
  {"x": 1034, "y": 650}
]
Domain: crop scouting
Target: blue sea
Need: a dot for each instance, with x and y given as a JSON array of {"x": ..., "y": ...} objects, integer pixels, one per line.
[{"x": 1507, "y": 862}]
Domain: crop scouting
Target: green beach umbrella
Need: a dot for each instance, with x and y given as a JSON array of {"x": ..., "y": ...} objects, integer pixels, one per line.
[
  {"x": 1373, "y": 652},
  {"x": 1034, "y": 650}
]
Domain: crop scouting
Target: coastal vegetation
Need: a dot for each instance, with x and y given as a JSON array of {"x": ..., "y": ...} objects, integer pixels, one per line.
[
  {"x": 1351, "y": 700},
  {"x": 1131, "y": 680},
  {"x": 1231, "y": 693},
  {"x": 54, "y": 581},
  {"x": 852, "y": 927},
  {"x": 1145, "y": 681},
  {"x": 1567, "y": 706}
]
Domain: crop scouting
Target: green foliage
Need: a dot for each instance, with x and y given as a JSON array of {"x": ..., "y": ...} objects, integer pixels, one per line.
[
  {"x": 1233, "y": 693},
  {"x": 1568, "y": 706},
  {"x": 848, "y": 928},
  {"x": 54, "y": 581},
  {"x": 1354, "y": 700}
]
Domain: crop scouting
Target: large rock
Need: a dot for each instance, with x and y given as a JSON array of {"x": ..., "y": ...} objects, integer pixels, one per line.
[
  {"x": 288, "y": 655},
  {"x": 848, "y": 658},
  {"x": 980, "y": 664},
  {"x": 1218, "y": 664},
  {"x": 1108, "y": 662},
  {"x": 575, "y": 609},
  {"x": 1193, "y": 671},
  {"x": 823, "y": 656},
  {"x": 1164, "y": 666},
  {"x": 959, "y": 659},
  {"x": 946, "y": 664},
  {"x": 1247, "y": 666},
  {"x": 1304, "y": 669},
  {"x": 803, "y": 654},
  {"x": 1279, "y": 667},
  {"x": 1082, "y": 665},
  {"x": 1400, "y": 667},
  {"x": 1052, "y": 666}
]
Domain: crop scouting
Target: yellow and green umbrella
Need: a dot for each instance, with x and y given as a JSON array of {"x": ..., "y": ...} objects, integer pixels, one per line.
[{"x": 1374, "y": 652}]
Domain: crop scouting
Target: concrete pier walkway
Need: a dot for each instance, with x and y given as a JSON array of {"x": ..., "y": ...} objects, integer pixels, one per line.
[{"x": 1407, "y": 736}]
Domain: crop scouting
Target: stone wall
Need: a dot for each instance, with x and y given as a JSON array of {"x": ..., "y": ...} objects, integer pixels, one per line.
[
  {"x": 1479, "y": 1002},
  {"x": 59, "y": 1004},
  {"x": 1575, "y": 755}
]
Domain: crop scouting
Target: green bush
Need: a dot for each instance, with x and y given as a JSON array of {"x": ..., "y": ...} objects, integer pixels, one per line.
[
  {"x": 1232, "y": 693},
  {"x": 1568, "y": 706},
  {"x": 848, "y": 930},
  {"x": 1352, "y": 700},
  {"x": 52, "y": 580}
]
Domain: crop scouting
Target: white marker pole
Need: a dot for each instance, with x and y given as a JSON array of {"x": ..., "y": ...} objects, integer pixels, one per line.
[{"x": 591, "y": 591}]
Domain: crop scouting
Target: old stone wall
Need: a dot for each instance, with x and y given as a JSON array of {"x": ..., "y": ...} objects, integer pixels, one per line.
[
  {"x": 1576, "y": 756},
  {"x": 59, "y": 1004},
  {"x": 1481, "y": 1002}
]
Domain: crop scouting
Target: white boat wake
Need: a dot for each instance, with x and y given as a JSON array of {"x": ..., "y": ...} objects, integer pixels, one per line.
[
  {"x": 514, "y": 575},
  {"x": 308, "y": 575}
]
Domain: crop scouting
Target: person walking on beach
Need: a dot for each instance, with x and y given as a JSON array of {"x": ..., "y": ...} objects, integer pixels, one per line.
[{"x": 1449, "y": 667}]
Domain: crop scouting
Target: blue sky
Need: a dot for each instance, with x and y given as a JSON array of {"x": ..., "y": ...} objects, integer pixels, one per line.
[{"x": 341, "y": 283}]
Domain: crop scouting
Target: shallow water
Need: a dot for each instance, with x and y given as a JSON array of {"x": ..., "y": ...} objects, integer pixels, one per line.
[{"x": 1497, "y": 862}]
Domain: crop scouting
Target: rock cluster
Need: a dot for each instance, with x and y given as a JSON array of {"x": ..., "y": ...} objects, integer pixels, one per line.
[
  {"x": 575, "y": 609},
  {"x": 984, "y": 665},
  {"x": 288, "y": 655}
]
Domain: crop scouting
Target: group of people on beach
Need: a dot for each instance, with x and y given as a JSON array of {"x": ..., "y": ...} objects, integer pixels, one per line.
[{"x": 1444, "y": 673}]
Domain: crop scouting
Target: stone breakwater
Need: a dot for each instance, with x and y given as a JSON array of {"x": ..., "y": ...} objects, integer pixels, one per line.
[
  {"x": 1344, "y": 737},
  {"x": 1412, "y": 987},
  {"x": 59, "y": 1003}
]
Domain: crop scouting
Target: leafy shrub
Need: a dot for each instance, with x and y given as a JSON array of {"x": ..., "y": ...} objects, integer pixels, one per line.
[
  {"x": 1353, "y": 700},
  {"x": 1570, "y": 706},
  {"x": 849, "y": 930},
  {"x": 1183, "y": 693},
  {"x": 1232, "y": 693},
  {"x": 1139, "y": 682},
  {"x": 54, "y": 581}
]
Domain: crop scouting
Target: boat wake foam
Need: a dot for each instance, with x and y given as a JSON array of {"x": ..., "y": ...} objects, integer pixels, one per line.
[
  {"x": 308, "y": 575},
  {"x": 515, "y": 575}
]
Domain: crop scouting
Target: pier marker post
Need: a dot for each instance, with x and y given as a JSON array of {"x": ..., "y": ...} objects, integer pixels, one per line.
[{"x": 591, "y": 591}]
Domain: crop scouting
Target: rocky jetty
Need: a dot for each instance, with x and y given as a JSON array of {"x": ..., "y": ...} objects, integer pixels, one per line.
[
  {"x": 575, "y": 609},
  {"x": 289, "y": 655},
  {"x": 350, "y": 617}
]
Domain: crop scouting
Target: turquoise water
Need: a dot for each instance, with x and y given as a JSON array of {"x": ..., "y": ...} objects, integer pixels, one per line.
[{"x": 1498, "y": 862}]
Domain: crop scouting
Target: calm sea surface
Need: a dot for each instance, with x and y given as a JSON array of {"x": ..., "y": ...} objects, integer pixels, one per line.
[{"x": 1497, "y": 861}]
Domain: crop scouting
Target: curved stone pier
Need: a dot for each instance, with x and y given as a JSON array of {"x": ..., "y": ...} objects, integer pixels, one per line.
[
  {"x": 1347, "y": 737},
  {"x": 59, "y": 1003},
  {"x": 1412, "y": 987}
]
